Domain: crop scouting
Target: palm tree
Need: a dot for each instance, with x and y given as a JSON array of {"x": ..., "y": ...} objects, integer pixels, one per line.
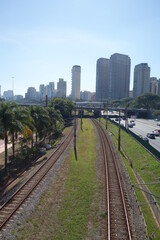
[
  {"x": 56, "y": 121},
  {"x": 34, "y": 115},
  {"x": 6, "y": 120},
  {"x": 41, "y": 121},
  {"x": 22, "y": 120}
]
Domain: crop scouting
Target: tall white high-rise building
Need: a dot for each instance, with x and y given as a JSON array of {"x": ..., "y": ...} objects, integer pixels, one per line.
[
  {"x": 141, "y": 79},
  {"x": 76, "y": 82}
]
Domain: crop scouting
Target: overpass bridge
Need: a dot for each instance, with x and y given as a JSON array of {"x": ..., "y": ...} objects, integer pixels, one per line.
[
  {"x": 102, "y": 106},
  {"x": 97, "y": 107},
  {"x": 90, "y": 106}
]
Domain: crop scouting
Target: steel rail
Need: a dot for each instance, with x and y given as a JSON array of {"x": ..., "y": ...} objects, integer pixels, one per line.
[
  {"x": 108, "y": 195},
  {"x": 33, "y": 183},
  {"x": 121, "y": 189},
  {"x": 104, "y": 138}
]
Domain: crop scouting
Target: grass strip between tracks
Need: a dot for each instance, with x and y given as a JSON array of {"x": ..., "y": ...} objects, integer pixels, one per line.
[
  {"x": 148, "y": 169},
  {"x": 80, "y": 188},
  {"x": 69, "y": 209}
]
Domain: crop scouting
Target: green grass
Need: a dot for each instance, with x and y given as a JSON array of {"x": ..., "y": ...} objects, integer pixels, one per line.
[
  {"x": 69, "y": 209},
  {"x": 148, "y": 169},
  {"x": 80, "y": 187}
]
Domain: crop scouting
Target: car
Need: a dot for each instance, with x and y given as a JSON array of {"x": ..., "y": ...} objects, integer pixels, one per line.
[
  {"x": 151, "y": 135},
  {"x": 158, "y": 124},
  {"x": 130, "y": 125},
  {"x": 158, "y": 130},
  {"x": 157, "y": 133},
  {"x": 122, "y": 124},
  {"x": 42, "y": 150},
  {"x": 146, "y": 139},
  {"x": 133, "y": 122},
  {"x": 48, "y": 146}
]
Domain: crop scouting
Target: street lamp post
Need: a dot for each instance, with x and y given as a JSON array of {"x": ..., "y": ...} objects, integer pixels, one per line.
[{"x": 13, "y": 86}]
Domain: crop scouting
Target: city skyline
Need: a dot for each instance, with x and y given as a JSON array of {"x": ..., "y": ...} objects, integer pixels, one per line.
[
  {"x": 41, "y": 40},
  {"x": 103, "y": 81}
]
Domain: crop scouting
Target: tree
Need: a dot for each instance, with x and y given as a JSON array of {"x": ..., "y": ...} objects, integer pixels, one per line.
[
  {"x": 6, "y": 120},
  {"x": 65, "y": 106},
  {"x": 56, "y": 121},
  {"x": 34, "y": 115},
  {"x": 147, "y": 101},
  {"x": 156, "y": 113},
  {"x": 22, "y": 121},
  {"x": 41, "y": 121}
]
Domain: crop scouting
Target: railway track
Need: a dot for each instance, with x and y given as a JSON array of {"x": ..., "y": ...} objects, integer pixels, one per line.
[
  {"x": 118, "y": 216},
  {"x": 15, "y": 201}
]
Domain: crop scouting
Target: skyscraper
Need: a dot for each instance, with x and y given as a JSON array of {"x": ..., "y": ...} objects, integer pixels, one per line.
[
  {"x": 61, "y": 88},
  {"x": 141, "y": 79},
  {"x": 119, "y": 76},
  {"x": 154, "y": 85},
  {"x": 76, "y": 81},
  {"x": 31, "y": 94},
  {"x": 102, "y": 79},
  {"x": 51, "y": 90},
  {"x": 8, "y": 95},
  {"x": 42, "y": 92}
]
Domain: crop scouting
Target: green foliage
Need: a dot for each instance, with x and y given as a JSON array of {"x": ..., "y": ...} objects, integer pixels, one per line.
[
  {"x": 41, "y": 121},
  {"x": 148, "y": 101},
  {"x": 56, "y": 120},
  {"x": 36, "y": 121},
  {"x": 65, "y": 106},
  {"x": 124, "y": 102},
  {"x": 156, "y": 113},
  {"x": 6, "y": 121}
]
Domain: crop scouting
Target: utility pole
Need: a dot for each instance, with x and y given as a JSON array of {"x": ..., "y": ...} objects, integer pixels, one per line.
[
  {"x": 119, "y": 133},
  {"x": 81, "y": 120},
  {"x": 99, "y": 116},
  {"x": 126, "y": 120},
  {"x": 106, "y": 120},
  {"x": 75, "y": 150}
]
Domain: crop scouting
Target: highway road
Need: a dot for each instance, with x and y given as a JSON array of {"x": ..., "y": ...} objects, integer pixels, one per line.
[{"x": 144, "y": 126}]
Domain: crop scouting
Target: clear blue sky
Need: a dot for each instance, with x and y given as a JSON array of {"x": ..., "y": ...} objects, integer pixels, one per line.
[{"x": 40, "y": 40}]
